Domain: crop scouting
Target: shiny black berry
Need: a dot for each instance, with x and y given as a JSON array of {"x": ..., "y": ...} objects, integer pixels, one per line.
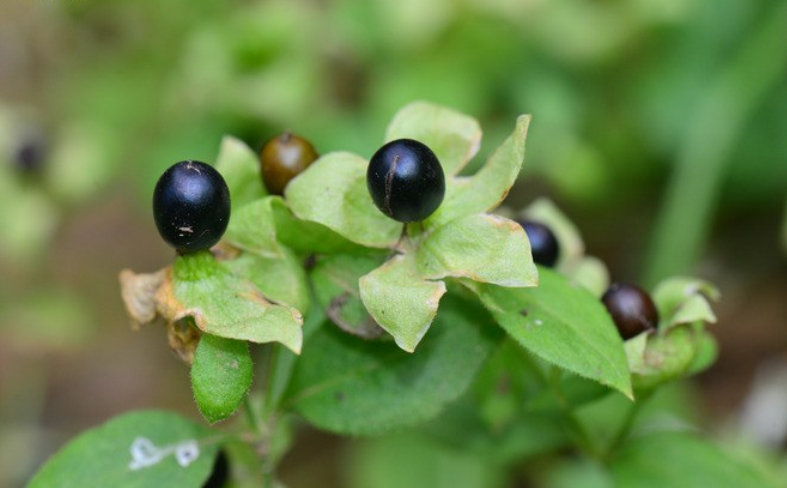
[
  {"x": 406, "y": 180},
  {"x": 191, "y": 205},
  {"x": 221, "y": 472},
  {"x": 543, "y": 243},
  {"x": 631, "y": 309},
  {"x": 283, "y": 158}
]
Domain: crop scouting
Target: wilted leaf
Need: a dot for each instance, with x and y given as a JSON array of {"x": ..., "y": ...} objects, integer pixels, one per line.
[
  {"x": 332, "y": 192},
  {"x": 136, "y": 450},
  {"x": 401, "y": 301},
  {"x": 335, "y": 279},
  {"x": 225, "y": 305},
  {"x": 482, "y": 247},
  {"x": 220, "y": 376},
  {"x": 454, "y": 137},
  {"x": 352, "y": 386},
  {"x": 564, "y": 325}
]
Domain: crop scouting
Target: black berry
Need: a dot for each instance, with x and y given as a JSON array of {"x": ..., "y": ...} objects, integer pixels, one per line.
[
  {"x": 543, "y": 243},
  {"x": 30, "y": 154},
  {"x": 283, "y": 158},
  {"x": 631, "y": 309},
  {"x": 221, "y": 471},
  {"x": 191, "y": 205},
  {"x": 406, "y": 180}
]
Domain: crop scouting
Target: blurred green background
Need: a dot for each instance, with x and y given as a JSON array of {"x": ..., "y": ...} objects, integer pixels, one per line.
[{"x": 659, "y": 127}]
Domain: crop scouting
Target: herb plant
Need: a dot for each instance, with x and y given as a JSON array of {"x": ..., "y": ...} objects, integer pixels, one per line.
[{"x": 317, "y": 308}]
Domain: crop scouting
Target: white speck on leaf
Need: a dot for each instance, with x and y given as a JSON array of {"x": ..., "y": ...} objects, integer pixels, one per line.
[{"x": 145, "y": 454}]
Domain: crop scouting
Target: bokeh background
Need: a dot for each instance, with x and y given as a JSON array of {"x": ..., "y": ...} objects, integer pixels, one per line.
[{"x": 659, "y": 127}]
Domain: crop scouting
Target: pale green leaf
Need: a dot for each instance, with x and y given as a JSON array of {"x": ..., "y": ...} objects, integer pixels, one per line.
[
  {"x": 590, "y": 273},
  {"x": 240, "y": 168},
  {"x": 335, "y": 280},
  {"x": 564, "y": 325},
  {"x": 482, "y": 247},
  {"x": 220, "y": 376},
  {"x": 253, "y": 228},
  {"x": 401, "y": 301},
  {"x": 226, "y": 305},
  {"x": 351, "y": 386},
  {"x": 332, "y": 192},
  {"x": 683, "y": 300},
  {"x": 304, "y": 236},
  {"x": 490, "y": 185},
  {"x": 707, "y": 352},
  {"x": 454, "y": 137},
  {"x": 281, "y": 280},
  {"x": 684, "y": 460},
  {"x": 169, "y": 451}
]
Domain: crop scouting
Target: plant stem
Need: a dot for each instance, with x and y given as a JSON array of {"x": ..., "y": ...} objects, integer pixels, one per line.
[
  {"x": 578, "y": 430},
  {"x": 628, "y": 422},
  {"x": 721, "y": 114}
]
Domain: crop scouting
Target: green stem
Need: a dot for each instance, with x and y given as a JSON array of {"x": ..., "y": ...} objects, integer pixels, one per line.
[
  {"x": 628, "y": 423},
  {"x": 577, "y": 429},
  {"x": 724, "y": 110}
]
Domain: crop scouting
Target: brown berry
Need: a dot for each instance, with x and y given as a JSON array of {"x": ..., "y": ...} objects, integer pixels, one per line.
[
  {"x": 631, "y": 309},
  {"x": 283, "y": 158}
]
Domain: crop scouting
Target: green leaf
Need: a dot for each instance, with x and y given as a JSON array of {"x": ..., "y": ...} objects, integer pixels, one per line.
[
  {"x": 335, "y": 279},
  {"x": 253, "y": 228},
  {"x": 220, "y": 376},
  {"x": 454, "y": 137},
  {"x": 332, "y": 192},
  {"x": 307, "y": 237},
  {"x": 685, "y": 460},
  {"x": 590, "y": 273},
  {"x": 564, "y": 325},
  {"x": 482, "y": 247},
  {"x": 241, "y": 170},
  {"x": 225, "y": 305},
  {"x": 707, "y": 352},
  {"x": 400, "y": 300},
  {"x": 684, "y": 301},
  {"x": 351, "y": 386},
  {"x": 490, "y": 185},
  {"x": 281, "y": 280},
  {"x": 379, "y": 463},
  {"x": 136, "y": 450}
]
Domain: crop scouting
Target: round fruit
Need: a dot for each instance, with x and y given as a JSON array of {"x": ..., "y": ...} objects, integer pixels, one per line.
[
  {"x": 30, "y": 154},
  {"x": 406, "y": 180},
  {"x": 191, "y": 206},
  {"x": 221, "y": 472},
  {"x": 283, "y": 158},
  {"x": 631, "y": 309},
  {"x": 543, "y": 243}
]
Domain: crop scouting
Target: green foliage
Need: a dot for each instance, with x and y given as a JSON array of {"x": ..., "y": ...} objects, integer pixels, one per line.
[
  {"x": 564, "y": 325},
  {"x": 682, "y": 459},
  {"x": 352, "y": 386},
  {"x": 138, "y": 449},
  {"x": 220, "y": 376}
]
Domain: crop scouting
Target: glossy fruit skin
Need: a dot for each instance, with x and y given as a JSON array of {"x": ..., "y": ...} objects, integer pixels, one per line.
[
  {"x": 631, "y": 309},
  {"x": 191, "y": 206},
  {"x": 405, "y": 180},
  {"x": 543, "y": 243},
  {"x": 221, "y": 472},
  {"x": 283, "y": 158}
]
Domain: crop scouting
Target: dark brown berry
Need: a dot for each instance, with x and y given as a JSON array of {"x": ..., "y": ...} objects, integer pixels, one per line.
[
  {"x": 283, "y": 158},
  {"x": 631, "y": 309}
]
